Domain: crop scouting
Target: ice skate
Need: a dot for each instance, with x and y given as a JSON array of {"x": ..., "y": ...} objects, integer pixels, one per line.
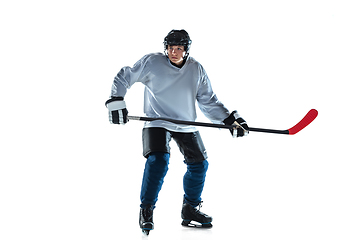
[
  {"x": 191, "y": 214},
  {"x": 146, "y": 219}
]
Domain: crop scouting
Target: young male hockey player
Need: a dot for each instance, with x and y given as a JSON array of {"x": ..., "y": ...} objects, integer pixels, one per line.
[{"x": 173, "y": 83}]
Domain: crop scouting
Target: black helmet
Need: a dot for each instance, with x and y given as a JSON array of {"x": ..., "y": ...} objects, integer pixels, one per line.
[{"x": 178, "y": 37}]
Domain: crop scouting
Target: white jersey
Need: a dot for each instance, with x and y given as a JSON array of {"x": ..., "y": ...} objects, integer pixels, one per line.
[{"x": 171, "y": 92}]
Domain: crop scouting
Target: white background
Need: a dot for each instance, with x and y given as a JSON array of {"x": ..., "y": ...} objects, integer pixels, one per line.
[{"x": 66, "y": 173}]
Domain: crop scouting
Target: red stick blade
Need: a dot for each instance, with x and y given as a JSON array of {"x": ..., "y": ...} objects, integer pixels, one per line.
[{"x": 309, "y": 117}]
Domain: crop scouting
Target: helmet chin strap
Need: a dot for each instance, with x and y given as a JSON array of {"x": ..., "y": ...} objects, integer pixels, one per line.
[{"x": 186, "y": 55}]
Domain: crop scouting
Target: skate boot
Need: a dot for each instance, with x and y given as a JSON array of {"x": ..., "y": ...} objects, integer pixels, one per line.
[
  {"x": 190, "y": 213},
  {"x": 146, "y": 219}
]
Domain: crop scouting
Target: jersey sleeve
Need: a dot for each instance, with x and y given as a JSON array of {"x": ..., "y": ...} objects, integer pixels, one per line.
[
  {"x": 208, "y": 102},
  {"x": 127, "y": 76}
]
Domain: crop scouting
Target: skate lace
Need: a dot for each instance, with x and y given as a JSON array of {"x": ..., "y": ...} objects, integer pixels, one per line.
[
  {"x": 200, "y": 205},
  {"x": 147, "y": 213},
  {"x": 198, "y": 210}
]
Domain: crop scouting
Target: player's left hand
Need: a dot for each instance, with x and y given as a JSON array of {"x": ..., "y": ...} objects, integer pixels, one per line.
[{"x": 240, "y": 126}]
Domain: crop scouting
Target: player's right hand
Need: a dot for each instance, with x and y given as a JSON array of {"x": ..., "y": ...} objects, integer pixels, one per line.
[
  {"x": 240, "y": 126},
  {"x": 118, "y": 114}
]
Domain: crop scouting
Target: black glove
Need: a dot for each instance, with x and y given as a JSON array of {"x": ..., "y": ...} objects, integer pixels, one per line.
[
  {"x": 240, "y": 126},
  {"x": 117, "y": 110}
]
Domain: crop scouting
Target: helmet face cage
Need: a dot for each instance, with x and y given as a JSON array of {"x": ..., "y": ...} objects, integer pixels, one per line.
[{"x": 179, "y": 38}]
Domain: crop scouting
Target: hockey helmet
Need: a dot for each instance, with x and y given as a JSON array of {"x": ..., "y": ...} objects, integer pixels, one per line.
[{"x": 178, "y": 37}]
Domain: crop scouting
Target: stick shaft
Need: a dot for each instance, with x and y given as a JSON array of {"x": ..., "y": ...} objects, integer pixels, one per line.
[{"x": 202, "y": 124}]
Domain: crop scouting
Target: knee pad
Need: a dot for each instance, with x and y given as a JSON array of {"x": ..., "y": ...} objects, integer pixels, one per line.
[
  {"x": 199, "y": 167},
  {"x": 158, "y": 158}
]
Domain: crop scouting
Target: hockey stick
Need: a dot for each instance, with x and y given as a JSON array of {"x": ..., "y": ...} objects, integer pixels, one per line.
[{"x": 309, "y": 117}]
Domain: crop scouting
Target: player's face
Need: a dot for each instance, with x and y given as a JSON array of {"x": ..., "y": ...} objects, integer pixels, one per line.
[{"x": 176, "y": 54}]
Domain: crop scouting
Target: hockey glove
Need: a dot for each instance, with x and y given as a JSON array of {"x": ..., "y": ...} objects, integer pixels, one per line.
[
  {"x": 117, "y": 110},
  {"x": 240, "y": 126}
]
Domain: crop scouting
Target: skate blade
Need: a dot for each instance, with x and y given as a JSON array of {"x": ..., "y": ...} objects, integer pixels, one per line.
[
  {"x": 146, "y": 232},
  {"x": 187, "y": 223}
]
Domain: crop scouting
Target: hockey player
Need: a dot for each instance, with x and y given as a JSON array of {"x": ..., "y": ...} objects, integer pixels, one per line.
[{"x": 173, "y": 81}]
